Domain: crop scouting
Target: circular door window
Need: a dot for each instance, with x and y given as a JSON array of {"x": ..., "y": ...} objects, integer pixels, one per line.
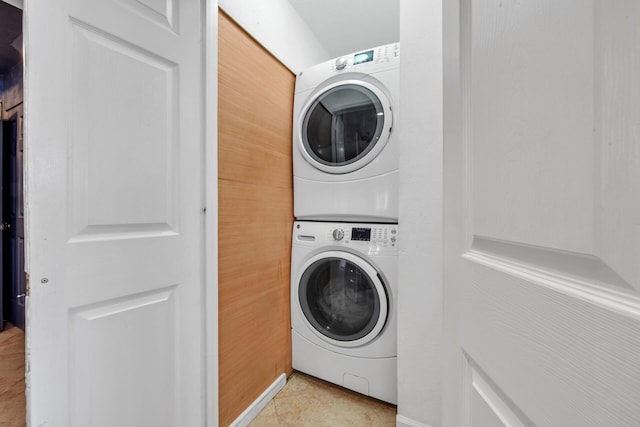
[
  {"x": 343, "y": 299},
  {"x": 345, "y": 126}
]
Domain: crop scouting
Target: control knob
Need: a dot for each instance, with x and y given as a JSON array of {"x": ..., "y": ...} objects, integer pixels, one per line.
[
  {"x": 338, "y": 234},
  {"x": 341, "y": 63}
]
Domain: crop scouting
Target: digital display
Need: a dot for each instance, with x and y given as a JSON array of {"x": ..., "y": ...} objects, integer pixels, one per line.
[
  {"x": 362, "y": 57},
  {"x": 361, "y": 234}
]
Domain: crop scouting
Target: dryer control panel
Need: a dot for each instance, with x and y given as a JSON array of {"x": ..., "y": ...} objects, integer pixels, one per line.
[{"x": 380, "y": 55}]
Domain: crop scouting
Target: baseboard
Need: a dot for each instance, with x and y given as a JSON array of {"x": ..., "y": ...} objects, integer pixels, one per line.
[
  {"x": 258, "y": 405},
  {"x": 402, "y": 421}
]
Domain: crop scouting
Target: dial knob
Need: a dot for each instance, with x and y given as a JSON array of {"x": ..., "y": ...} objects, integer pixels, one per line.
[
  {"x": 338, "y": 234},
  {"x": 341, "y": 63}
]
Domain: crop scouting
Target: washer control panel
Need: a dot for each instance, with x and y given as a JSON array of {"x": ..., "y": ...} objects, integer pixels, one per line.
[
  {"x": 378, "y": 235},
  {"x": 366, "y": 237}
]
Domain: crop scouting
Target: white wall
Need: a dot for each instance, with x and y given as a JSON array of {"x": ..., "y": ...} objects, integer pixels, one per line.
[
  {"x": 420, "y": 281},
  {"x": 350, "y": 26},
  {"x": 277, "y": 26}
]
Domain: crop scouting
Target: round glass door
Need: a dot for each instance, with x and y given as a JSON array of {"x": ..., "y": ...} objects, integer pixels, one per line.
[
  {"x": 345, "y": 126},
  {"x": 343, "y": 299}
]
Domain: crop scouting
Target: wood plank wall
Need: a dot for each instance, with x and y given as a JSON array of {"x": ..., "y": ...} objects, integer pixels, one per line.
[{"x": 255, "y": 107}]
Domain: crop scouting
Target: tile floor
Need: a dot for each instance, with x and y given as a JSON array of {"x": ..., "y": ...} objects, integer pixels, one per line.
[
  {"x": 12, "y": 399},
  {"x": 308, "y": 401}
]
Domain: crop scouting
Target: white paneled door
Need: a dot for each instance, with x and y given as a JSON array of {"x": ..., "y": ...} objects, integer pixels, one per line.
[
  {"x": 542, "y": 213},
  {"x": 114, "y": 141}
]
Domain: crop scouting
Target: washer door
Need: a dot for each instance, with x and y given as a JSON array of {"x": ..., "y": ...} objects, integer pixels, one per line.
[
  {"x": 345, "y": 126},
  {"x": 342, "y": 299}
]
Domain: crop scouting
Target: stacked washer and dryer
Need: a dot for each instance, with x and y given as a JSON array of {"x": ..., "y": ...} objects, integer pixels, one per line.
[{"x": 345, "y": 239}]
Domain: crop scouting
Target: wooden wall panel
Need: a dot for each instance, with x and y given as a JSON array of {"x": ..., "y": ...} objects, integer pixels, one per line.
[{"x": 255, "y": 108}]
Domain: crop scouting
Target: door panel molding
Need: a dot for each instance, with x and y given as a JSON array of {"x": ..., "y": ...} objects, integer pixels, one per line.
[
  {"x": 529, "y": 123},
  {"x": 163, "y": 13},
  {"x": 582, "y": 276},
  {"x": 115, "y": 329},
  {"x": 146, "y": 157},
  {"x": 482, "y": 395},
  {"x": 557, "y": 357},
  {"x": 586, "y": 275}
]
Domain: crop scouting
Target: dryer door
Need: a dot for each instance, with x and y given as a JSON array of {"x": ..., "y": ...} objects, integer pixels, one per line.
[
  {"x": 342, "y": 298},
  {"x": 345, "y": 126}
]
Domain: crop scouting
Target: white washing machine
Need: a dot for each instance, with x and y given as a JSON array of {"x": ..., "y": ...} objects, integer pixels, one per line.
[
  {"x": 345, "y": 156},
  {"x": 343, "y": 304}
]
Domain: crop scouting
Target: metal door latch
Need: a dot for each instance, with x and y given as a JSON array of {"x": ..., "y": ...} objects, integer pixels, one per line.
[{"x": 5, "y": 226}]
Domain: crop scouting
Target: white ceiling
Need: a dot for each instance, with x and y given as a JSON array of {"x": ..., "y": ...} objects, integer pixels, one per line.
[{"x": 347, "y": 26}]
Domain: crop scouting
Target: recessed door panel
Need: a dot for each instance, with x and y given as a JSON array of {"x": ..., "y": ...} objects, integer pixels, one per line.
[
  {"x": 114, "y": 344},
  {"x": 124, "y": 137}
]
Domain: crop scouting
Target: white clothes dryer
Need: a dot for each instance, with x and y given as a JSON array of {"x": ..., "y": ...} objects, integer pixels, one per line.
[
  {"x": 345, "y": 157},
  {"x": 343, "y": 305}
]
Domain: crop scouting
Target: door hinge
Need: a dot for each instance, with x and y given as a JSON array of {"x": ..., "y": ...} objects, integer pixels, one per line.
[{"x": 27, "y": 290}]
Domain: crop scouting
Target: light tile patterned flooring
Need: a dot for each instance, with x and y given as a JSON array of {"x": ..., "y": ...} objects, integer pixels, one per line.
[
  {"x": 12, "y": 399},
  {"x": 308, "y": 401}
]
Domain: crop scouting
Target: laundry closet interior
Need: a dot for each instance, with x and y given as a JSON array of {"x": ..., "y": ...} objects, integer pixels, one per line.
[{"x": 308, "y": 193}]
